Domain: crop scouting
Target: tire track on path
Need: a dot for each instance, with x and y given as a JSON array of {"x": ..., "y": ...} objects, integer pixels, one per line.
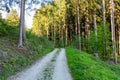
[{"x": 52, "y": 67}]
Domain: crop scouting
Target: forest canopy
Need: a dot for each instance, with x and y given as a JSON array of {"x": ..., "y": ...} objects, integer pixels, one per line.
[{"x": 92, "y": 26}]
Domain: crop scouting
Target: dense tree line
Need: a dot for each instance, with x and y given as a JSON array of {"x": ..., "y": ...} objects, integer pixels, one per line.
[
  {"x": 6, "y": 5},
  {"x": 92, "y": 26},
  {"x": 49, "y": 20}
]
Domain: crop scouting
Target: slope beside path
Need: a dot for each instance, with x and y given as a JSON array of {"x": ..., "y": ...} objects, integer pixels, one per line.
[{"x": 52, "y": 67}]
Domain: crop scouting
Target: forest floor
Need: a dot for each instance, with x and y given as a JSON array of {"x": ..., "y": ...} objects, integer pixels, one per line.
[{"x": 52, "y": 67}]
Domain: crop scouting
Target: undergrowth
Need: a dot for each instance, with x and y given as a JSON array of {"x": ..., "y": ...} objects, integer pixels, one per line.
[{"x": 13, "y": 59}]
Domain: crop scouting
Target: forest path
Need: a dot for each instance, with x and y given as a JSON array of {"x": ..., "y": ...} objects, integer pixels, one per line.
[{"x": 52, "y": 67}]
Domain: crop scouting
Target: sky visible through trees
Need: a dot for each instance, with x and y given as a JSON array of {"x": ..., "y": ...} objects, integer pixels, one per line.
[
  {"x": 91, "y": 26},
  {"x": 28, "y": 15},
  {"x": 89, "y": 31}
]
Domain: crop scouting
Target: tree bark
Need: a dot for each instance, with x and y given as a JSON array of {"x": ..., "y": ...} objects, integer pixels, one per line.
[
  {"x": 87, "y": 26},
  {"x": 59, "y": 25},
  {"x": 66, "y": 31},
  {"x": 62, "y": 34},
  {"x": 104, "y": 26},
  {"x": 54, "y": 35},
  {"x": 54, "y": 28},
  {"x": 76, "y": 27},
  {"x": 59, "y": 31},
  {"x": 95, "y": 30},
  {"x": 87, "y": 32},
  {"x": 48, "y": 33},
  {"x": 113, "y": 30},
  {"x": 119, "y": 40},
  {"x": 79, "y": 31},
  {"x": 24, "y": 32},
  {"x": 20, "y": 44}
]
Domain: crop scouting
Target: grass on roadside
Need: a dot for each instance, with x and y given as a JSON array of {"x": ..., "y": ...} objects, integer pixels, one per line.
[
  {"x": 84, "y": 66},
  {"x": 13, "y": 59}
]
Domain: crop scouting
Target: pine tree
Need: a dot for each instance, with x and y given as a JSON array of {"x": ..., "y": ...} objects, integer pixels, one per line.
[{"x": 113, "y": 30}]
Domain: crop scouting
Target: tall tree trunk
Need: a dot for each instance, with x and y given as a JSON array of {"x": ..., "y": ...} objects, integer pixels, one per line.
[
  {"x": 95, "y": 30},
  {"x": 119, "y": 39},
  {"x": 54, "y": 35},
  {"x": 113, "y": 30},
  {"x": 66, "y": 31},
  {"x": 62, "y": 34},
  {"x": 87, "y": 25},
  {"x": 20, "y": 44},
  {"x": 76, "y": 27},
  {"x": 52, "y": 32},
  {"x": 24, "y": 32},
  {"x": 48, "y": 33},
  {"x": 104, "y": 26},
  {"x": 59, "y": 32},
  {"x": 79, "y": 31},
  {"x": 87, "y": 31},
  {"x": 59, "y": 24},
  {"x": 54, "y": 28}
]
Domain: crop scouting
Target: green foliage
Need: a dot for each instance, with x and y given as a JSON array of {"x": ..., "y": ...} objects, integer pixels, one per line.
[
  {"x": 13, "y": 18},
  {"x": 7, "y": 30},
  {"x": 49, "y": 20},
  {"x": 74, "y": 43},
  {"x": 87, "y": 10},
  {"x": 18, "y": 59},
  {"x": 43, "y": 41},
  {"x": 38, "y": 47},
  {"x": 86, "y": 67},
  {"x": 41, "y": 21},
  {"x": 100, "y": 43},
  {"x": 13, "y": 65}
]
